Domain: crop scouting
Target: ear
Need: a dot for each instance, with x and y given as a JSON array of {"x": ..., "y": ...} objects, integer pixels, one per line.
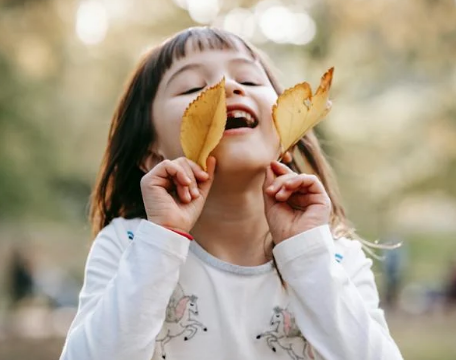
[
  {"x": 149, "y": 161},
  {"x": 287, "y": 157}
]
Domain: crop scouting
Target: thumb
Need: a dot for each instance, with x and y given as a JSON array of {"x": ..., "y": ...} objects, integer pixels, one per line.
[
  {"x": 268, "y": 180},
  {"x": 206, "y": 186}
]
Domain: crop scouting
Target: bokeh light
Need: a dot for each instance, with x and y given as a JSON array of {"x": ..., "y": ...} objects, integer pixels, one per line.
[
  {"x": 240, "y": 21},
  {"x": 281, "y": 25},
  {"x": 91, "y": 22},
  {"x": 201, "y": 11}
]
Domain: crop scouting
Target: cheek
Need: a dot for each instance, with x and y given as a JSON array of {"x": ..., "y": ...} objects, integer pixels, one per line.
[
  {"x": 167, "y": 121},
  {"x": 270, "y": 134},
  {"x": 266, "y": 99}
]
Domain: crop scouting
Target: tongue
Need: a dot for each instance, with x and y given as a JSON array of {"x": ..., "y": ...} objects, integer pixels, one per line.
[{"x": 235, "y": 123}]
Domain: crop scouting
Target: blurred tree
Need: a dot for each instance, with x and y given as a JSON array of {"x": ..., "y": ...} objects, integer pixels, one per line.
[
  {"x": 30, "y": 111},
  {"x": 390, "y": 134}
]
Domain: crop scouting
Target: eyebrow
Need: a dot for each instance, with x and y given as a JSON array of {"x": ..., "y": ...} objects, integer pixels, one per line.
[
  {"x": 198, "y": 66},
  {"x": 182, "y": 69},
  {"x": 243, "y": 61}
]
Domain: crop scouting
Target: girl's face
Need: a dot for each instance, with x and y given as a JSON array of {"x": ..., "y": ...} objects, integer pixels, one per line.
[{"x": 248, "y": 89}]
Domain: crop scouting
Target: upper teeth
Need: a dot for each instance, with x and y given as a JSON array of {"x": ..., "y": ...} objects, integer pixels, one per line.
[{"x": 241, "y": 114}]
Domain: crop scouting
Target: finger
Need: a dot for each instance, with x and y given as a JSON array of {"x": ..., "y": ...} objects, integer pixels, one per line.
[
  {"x": 176, "y": 172},
  {"x": 279, "y": 183},
  {"x": 283, "y": 194},
  {"x": 310, "y": 182},
  {"x": 206, "y": 185},
  {"x": 211, "y": 163},
  {"x": 193, "y": 186},
  {"x": 303, "y": 201},
  {"x": 183, "y": 193},
  {"x": 180, "y": 178},
  {"x": 268, "y": 179},
  {"x": 198, "y": 172},
  {"x": 280, "y": 169}
]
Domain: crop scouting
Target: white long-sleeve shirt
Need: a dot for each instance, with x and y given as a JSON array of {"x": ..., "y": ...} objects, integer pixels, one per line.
[{"x": 150, "y": 293}]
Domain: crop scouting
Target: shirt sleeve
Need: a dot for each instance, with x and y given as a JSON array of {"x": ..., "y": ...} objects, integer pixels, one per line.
[
  {"x": 126, "y": 290},
  {"x": 336, "y": 304}
]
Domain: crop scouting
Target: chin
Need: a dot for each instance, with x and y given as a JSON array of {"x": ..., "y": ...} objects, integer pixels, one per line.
[{"x": 250, "y": 159}]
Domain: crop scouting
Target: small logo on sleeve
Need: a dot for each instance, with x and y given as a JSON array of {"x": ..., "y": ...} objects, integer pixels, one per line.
[{"x": 339, "y": 257}]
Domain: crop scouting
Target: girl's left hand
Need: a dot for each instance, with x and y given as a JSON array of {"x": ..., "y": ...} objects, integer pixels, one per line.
[{"x": 293, "y": 202}]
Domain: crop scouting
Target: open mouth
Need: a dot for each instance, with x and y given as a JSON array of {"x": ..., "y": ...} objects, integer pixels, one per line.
[{"x": 240, "y": 119}]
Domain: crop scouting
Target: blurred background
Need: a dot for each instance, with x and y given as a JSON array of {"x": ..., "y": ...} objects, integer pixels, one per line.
[{"x": 391, "y": 137}]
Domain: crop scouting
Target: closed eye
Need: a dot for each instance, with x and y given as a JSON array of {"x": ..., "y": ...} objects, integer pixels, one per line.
[
  {"x": 192, "y": 90},
  {"x": 249, "y": 83}
]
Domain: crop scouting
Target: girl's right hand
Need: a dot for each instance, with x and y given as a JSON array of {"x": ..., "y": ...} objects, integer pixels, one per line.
[{"x": 174, "y": 192}]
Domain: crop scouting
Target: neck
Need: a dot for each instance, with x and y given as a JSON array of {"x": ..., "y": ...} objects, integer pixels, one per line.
[{"x": 232, "y": 225}]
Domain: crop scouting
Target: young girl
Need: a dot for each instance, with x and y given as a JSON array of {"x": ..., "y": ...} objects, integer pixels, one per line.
[{"x": 271, "y": 272}]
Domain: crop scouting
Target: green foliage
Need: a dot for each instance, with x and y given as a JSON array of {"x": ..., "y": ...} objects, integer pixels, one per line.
[{"x": 389, "y": 134}]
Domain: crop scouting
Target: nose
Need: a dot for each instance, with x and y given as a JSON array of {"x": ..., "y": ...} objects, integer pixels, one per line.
[{"x": 233, "y": 88}]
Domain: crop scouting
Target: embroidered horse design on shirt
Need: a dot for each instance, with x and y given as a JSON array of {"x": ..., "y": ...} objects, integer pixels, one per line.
[
  {"x": 180, "y": 319},
  {"x": 284, "y": 333}
]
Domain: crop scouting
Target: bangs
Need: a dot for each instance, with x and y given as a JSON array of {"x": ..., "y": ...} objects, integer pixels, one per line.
[{"x": 199, "y": 39}]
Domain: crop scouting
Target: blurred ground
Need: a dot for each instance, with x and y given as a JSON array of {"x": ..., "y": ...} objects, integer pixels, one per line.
[
  {"x": 20, "y": 349},
  {"x": 419, "y": 323},
  {"x": 425, "y": 337}
]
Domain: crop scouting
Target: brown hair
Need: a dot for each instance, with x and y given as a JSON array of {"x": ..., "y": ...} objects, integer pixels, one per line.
[{"x": 117, "y": 191}]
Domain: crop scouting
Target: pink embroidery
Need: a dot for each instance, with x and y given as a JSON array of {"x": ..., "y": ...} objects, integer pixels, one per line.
[
  {"x": 310, "y": 352},
  {"x": 180, "y": 308},
  {"x": 284, "y": 334},
  {"x": 181, "y": 319},
  {"x": 286, "y": 322}
]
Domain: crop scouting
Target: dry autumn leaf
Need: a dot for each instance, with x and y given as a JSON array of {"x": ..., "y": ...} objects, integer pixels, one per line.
[
  {"x": 203, "y": 124},
  {"x": 297, "y": 110}
]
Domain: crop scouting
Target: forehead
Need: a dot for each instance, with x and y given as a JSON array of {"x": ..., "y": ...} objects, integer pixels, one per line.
[
  {"x": 214, "y": 59},
  {"x": 197, "y": 50}
]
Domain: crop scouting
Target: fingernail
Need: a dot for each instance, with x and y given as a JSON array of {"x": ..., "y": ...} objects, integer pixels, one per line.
[
  {"x": 270, "y": 188},
  {"x": 194, "y": 191}
]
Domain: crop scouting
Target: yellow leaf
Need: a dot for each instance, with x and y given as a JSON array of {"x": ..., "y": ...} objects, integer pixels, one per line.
[
  {"x": 297, "y": 110},
  {"x": 203, "y": 124}
]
